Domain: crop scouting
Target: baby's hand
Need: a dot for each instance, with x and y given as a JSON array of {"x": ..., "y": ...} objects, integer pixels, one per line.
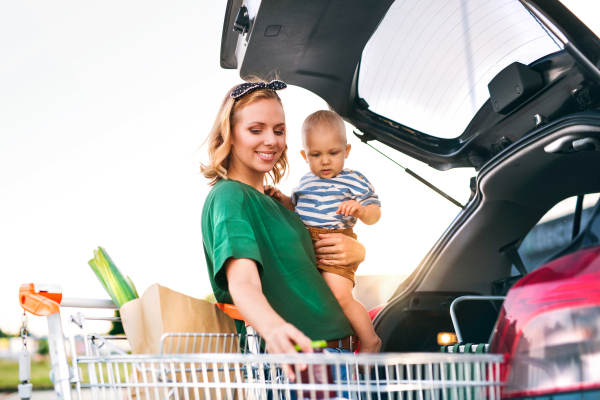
[
  {"x": 273, "y": 192},
  {"x": 351, "y": 208}
]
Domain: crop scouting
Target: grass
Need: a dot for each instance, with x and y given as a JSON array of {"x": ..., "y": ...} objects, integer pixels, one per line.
[
  {"x": 40, "y": 375},
  {"x": 9, "y": 375}
]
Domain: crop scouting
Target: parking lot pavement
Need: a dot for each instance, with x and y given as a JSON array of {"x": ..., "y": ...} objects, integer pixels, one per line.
[{"x": 86, "y": 394}]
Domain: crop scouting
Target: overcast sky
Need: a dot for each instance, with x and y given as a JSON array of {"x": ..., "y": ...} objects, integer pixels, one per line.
[{"x": 102, "y": 106}]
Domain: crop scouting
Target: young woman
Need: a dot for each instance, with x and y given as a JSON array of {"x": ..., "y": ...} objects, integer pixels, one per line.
[{"x": 259, "y": 254}]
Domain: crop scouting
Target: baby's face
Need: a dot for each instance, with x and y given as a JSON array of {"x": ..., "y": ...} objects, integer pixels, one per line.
[{"x": 325, "y": 152}]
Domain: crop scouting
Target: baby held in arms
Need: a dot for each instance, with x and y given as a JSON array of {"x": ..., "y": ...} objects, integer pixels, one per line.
[{"x": 330, "y": 199}]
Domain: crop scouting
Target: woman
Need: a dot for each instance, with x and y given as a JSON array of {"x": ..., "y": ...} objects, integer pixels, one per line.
[{"x": 259, "y": 254}]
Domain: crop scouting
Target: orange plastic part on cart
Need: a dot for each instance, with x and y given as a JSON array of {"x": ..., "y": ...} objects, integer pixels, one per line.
[
  {"x": 230, "y": 310},
  {"x": 40, "y": 303}
]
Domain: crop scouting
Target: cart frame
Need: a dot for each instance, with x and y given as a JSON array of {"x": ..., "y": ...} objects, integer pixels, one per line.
[{"x": 234, "y": 371}]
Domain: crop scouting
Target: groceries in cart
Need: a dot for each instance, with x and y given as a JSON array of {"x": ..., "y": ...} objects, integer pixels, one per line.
[
  {"x": 159, "y": 311},
  {"x": 119, "y": 286}
]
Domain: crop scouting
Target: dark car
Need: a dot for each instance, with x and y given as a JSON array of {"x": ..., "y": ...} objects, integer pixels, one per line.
[{"x": 510, "y": 88}]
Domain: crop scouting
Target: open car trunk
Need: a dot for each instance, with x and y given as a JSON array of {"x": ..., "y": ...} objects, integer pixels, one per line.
[
  {"x": 513, "y": 193},
  {"x": 453, "y": 84}
]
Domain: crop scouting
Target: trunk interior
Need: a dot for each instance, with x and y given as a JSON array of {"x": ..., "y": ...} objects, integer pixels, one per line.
[{"x": 514, "y": 191}]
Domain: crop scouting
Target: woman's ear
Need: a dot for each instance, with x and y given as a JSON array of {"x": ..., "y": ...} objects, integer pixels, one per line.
[
  {"x": 348, "y": 147},
  {"x": 304, "y": 155}
]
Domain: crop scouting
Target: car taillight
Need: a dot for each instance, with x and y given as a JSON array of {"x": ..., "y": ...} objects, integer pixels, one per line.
[
  {"x": 549, "y": 328},
  {"x": 375, "y": 310},
  {"x": 558, "y": 351}
]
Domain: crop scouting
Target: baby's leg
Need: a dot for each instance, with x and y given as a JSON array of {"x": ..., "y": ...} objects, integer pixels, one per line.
[{"x": 355, "y": 312}]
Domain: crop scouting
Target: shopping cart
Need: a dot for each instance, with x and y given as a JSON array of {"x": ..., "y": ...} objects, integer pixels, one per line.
[{"x": 233, "y": 366}]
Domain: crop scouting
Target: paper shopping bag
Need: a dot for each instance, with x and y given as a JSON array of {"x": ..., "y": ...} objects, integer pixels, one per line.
[{"x": 161, "y": 310}]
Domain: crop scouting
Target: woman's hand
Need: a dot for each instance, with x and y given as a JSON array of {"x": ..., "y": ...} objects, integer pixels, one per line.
[
  {"x": 344, "y": 249},
  {"x": 282, "y": 338}
]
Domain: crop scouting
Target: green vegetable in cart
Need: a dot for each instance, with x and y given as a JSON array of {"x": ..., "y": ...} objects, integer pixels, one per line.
[
  {"x": 119, "y": 286},
  {"x": 315, "y": 344}
]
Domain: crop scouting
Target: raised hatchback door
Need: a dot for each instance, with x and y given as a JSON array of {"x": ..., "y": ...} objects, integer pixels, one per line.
[{"x": 414, "y": 74}]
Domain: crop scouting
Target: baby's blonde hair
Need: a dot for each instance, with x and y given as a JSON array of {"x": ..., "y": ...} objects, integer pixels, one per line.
[
  {"x": 328, "y": 119},
  {"x": 218, "y": 141}
]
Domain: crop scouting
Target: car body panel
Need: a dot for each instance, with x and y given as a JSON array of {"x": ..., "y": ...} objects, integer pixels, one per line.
[{"x": 319, "y": 47}]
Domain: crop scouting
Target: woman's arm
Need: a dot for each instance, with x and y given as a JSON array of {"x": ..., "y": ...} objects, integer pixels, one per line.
[
  {"x": 246, "y": 290},
  {"x": 345, "y": 250}
]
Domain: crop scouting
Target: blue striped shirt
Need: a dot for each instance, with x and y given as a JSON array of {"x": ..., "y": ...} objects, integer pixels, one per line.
[{"x": 317, "y": 199}]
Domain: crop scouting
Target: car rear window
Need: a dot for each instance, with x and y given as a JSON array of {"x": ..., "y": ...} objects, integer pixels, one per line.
[{"x": 428, "y": 64}]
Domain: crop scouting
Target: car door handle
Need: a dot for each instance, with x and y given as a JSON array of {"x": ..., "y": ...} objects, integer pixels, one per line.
[{"x": 586, "y": 144}]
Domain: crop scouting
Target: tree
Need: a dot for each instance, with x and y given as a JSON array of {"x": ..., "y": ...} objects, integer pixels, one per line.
[
  {"x": 43, "y": 348},
  {"x": 3, "y": 335},
  {"x": 117, "y": 327}
]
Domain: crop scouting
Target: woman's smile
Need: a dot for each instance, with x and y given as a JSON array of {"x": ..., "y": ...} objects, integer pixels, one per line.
[{"x": 266, "y": 155}]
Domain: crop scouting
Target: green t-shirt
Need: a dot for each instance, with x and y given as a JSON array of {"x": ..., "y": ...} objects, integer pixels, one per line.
[{"x": 240, "y": 222}]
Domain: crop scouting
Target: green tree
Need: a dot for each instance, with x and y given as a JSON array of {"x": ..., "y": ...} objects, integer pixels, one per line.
[
  {"x": 117, "y": 327},
  {"x": 43, "y": 347},
  {"x": 2, "y": 334}
]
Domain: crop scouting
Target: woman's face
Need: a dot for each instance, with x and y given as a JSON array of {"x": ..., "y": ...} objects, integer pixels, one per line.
[{"x": 258, "y": 138}]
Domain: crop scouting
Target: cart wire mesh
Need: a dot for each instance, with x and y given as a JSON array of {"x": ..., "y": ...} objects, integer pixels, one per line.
[
  {"x": 234, "y": 367},
  {"x": 317, "y": 376}
]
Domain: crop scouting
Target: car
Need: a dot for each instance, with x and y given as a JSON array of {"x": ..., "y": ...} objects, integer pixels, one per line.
[{"x": 509, "y": 88}]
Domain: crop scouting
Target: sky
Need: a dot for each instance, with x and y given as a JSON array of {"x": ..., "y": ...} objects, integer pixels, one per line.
[{"x": 103, "y": 107}]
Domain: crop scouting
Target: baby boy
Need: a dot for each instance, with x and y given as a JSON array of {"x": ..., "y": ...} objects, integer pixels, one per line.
[{"x": 330, "y": 199}]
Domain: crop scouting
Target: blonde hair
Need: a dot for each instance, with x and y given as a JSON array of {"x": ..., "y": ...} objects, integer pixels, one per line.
[
  {"x": 218, "y": 141},
  {"x": 329, "y": 119}
]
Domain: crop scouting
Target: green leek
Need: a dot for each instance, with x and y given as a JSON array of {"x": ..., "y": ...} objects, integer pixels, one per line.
[{"x": 119, "y": 286}]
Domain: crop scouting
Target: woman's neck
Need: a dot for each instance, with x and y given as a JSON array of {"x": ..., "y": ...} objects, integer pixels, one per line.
[{"x": 252, "y": 179}]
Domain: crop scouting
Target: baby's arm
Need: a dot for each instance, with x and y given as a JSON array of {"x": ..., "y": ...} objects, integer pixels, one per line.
[
  {"x": 368, "y": 214},
  {"x": 275, "y": 193},
  {"x": 286, "y": 201}
]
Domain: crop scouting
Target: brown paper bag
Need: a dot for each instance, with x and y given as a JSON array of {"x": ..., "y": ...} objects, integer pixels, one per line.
[{"x": 161, "y": 310}]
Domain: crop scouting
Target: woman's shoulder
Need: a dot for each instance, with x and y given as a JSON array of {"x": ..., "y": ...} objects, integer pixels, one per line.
[
  {"x": 225, "y": 192},
  {"x": 226, "y": 199},
  {"x": 227, "y": 188}
]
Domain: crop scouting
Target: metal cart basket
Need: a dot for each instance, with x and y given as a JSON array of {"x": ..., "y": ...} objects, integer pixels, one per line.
[{"x": 236, "y": 369}]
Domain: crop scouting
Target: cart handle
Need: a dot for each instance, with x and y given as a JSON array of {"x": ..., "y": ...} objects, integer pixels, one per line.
[
  {"x": 231, "y": 310},
  {"x": 42, "y": 300}
]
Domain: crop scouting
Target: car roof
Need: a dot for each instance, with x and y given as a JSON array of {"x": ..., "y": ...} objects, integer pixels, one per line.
[{"x": 319, "y": 45}]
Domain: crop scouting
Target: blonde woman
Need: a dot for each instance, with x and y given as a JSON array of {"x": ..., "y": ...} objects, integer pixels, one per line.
[{"x": 259, "y": 254}]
